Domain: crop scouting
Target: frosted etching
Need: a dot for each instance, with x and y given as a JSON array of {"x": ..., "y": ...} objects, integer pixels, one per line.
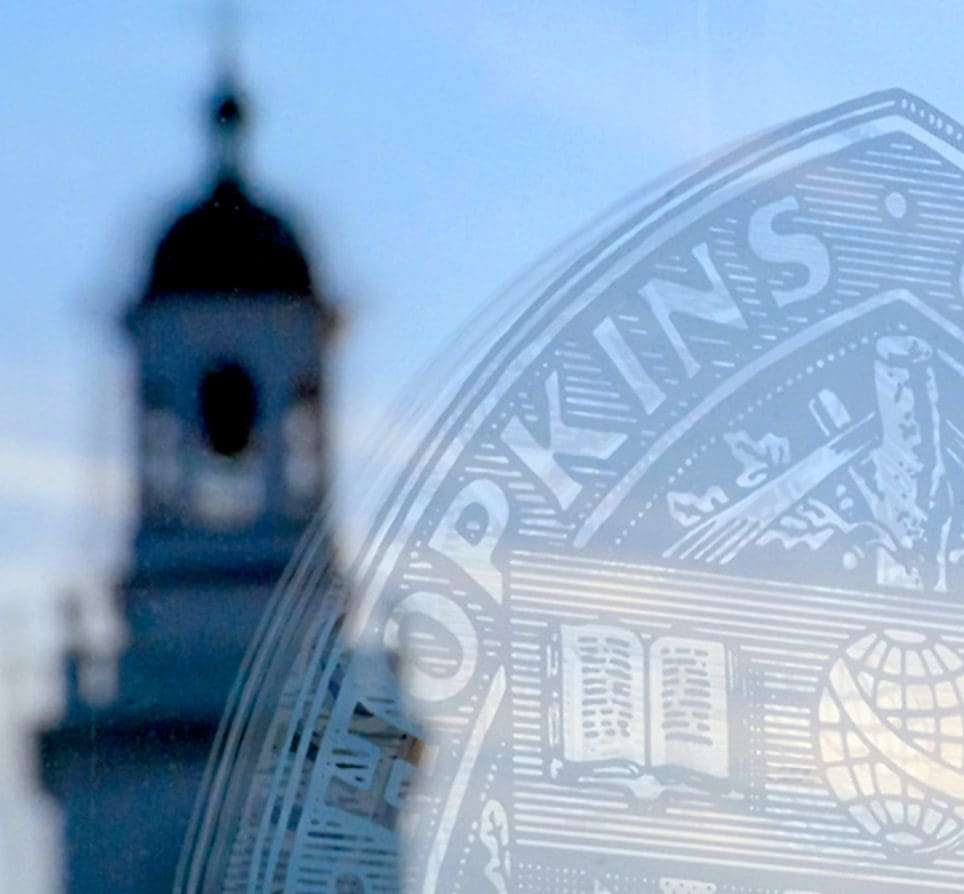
[{"x": 674, "y": 576}]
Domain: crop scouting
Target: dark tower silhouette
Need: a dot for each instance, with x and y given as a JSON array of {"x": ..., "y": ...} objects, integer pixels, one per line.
[{"x": 229, "y": 335}]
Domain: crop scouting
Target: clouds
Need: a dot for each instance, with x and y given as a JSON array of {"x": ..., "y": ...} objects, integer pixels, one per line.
[
  {"x": 62, "y": 517},
  {"x": 60, "y": 479}
]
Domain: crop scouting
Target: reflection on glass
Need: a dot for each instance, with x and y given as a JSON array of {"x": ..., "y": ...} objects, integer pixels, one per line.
[{"x": 673, "y": 577}]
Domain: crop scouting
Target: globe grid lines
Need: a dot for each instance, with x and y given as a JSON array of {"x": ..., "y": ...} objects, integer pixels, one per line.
[{"x": 912, "y": 688}]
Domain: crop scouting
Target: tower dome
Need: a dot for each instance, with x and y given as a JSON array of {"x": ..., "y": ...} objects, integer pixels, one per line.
[{"x": 226, "y": 243}]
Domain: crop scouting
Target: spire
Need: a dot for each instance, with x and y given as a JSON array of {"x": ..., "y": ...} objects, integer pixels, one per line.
[
  {"x": 228, "y": 120},
  {"x": 228, "y": 114}
]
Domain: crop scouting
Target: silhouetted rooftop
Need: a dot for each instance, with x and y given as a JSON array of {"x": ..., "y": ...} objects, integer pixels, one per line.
[{"x": 227, "y": 244}]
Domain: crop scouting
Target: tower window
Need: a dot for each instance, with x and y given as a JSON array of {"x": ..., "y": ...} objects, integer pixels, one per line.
[{"x": 229, "y": 407}]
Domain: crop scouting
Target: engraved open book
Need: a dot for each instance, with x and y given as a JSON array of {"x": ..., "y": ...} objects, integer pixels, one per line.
[{"x": 648, "y": 714}]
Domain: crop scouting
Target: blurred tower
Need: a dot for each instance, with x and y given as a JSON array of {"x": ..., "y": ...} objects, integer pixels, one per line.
[{"x": 229, "y": 335}]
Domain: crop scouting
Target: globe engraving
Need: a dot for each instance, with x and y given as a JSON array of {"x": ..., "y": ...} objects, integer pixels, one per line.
[{"x": 891, "y": 738}]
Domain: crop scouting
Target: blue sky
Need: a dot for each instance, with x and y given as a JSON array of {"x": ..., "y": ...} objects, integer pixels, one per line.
[{"x": 430, "y": 152}]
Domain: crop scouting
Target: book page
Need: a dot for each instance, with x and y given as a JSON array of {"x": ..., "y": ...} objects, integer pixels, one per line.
[
  {"x": 603, "y": 695},
  {"x": 688, "y": 699}
]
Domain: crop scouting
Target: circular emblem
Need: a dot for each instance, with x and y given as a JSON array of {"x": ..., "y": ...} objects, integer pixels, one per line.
[{"x": 586, "y": 645}]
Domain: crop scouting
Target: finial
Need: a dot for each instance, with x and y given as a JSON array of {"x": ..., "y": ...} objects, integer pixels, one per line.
[
  {"x": 228, "y": 118},
  {"x": 227, "y": 109}
]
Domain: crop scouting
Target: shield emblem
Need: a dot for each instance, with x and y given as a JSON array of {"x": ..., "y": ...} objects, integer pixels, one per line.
[{"x": 674, "y": 575}]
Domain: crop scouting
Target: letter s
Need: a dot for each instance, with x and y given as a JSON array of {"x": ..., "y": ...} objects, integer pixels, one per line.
[{"x": 796, "y": 248}]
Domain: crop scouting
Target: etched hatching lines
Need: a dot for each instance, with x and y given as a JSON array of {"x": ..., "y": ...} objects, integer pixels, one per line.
[
  {"x": 755, "y": 833},
  {"x": 593, "y": 389},
  {"x": 837, "y": 192},
  {"x": 789, "y": 818},
  {"x": 692, "y": 836},
  {"x": 527, "y": 689},
  {"x": 788, "y": 685},
  {"x": 598, "y": 581},
  {"x": 819, "y": 207},
  {"x": 868, "y": 277},
  {"x": 902, "y": 147},
  {"x": 769, "y": 658},
  {"x": 904, "y": 171},
  {"x": 934, "y": 207},
  {"x": 887, "y": 255},
  {"x": 922, "y": 191},
  {"x": 858, "y": 169},
  {"x": 896, "y": 252},
  {"x": 940, "y": 254},
  {"x": 721, "y": 620},
  {"x": 858, "y": 174},
  {"x": 909, "y": 155},
  {"x": 953, "y": 227},
  {"x": 889, "y": 260},
  {"x": 841, "y": 230},
  {"x": 787, "y": 745},
  {"x": 774, "y": 676},
  {"x": 589, "y": 392}
]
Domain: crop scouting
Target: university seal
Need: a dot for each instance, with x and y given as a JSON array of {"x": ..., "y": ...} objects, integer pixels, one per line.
[{"x": 669, "y": 598}]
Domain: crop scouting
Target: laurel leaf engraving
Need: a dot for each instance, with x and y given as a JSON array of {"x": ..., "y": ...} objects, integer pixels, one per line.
[
  {"x": 690, "y": 509},
  {"x": 760, "y": 458}
]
